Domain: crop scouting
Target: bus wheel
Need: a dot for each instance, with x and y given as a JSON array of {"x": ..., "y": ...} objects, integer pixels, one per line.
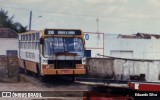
[
  {"x": 25, "y": 71},
  {"x": 42, "y": 78},
  {"x": 21, "y": 71},
  {"x": 73, "y": 78}
]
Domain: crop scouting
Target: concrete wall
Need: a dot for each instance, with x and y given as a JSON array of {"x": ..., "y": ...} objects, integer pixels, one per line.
[
  {"x": 123, "y": 69},
  {"x": 9, "y": 69},
  {"x": 8, "y": 44},
  {"x": 142, "y": 48}
]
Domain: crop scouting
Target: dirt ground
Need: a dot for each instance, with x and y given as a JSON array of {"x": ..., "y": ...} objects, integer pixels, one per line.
[
  {"x": 10, "y": 81},
  {"x": 63, "y": 90}
]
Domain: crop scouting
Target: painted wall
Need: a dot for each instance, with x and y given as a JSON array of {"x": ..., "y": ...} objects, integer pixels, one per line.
[
  {"x": 141, "y": 48},
  {"x": 117, "y": 69},
  {"x": 94, "y": 43},
  {"x": 8, "y": 44}
]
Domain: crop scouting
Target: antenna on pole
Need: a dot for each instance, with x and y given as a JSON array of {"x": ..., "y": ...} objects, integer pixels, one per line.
[
  {"x": 98, "y": 36},
  {"x": 30, "y": 20},
  {"x": 97, "y": 21}
]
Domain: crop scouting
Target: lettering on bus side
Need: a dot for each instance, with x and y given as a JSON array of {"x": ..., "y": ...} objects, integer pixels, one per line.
[{"x": 30, "y": 55}]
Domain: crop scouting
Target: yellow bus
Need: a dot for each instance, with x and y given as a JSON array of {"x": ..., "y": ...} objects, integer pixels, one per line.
[{"x": 49, "y": 52}]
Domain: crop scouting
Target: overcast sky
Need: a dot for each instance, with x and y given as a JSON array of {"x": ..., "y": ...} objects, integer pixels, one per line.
[{"x": 115, "y": 16}]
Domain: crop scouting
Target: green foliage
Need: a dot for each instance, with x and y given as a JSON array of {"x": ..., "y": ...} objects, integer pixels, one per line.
[{"x": 7, "y": 22}]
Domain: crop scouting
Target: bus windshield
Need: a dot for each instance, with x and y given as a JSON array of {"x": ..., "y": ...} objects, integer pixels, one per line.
[{"x": 63, "y": 45}]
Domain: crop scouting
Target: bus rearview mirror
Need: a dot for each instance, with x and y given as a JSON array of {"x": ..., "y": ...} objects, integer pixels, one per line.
[{"x": 41, "y": 41}]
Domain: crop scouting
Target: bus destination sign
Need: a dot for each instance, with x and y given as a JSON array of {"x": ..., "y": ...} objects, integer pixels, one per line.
[{"x": 62, "y": 32}]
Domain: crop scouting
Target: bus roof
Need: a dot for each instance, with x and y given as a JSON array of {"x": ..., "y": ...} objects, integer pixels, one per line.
[{"x": 31, "y": 31}]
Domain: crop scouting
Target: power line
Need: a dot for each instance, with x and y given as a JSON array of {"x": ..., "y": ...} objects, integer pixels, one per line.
[{"x": 62, "y": 13}]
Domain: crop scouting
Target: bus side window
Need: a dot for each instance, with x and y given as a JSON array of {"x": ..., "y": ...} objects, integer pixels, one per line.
[
  {"x": 37, "y": 36},
  {"x": 33, "y": 37}
]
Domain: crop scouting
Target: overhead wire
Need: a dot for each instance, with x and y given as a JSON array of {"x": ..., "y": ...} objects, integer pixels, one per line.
[{"x": 55, "y": 13}]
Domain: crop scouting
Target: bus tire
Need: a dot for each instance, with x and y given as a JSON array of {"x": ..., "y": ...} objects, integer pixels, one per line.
[
  {"x": 20, "y": 70},
  {"x": 42, "y": 78},
  {"x": 38, "y": 71},
  {"x": 25, "y": 70},
  {"x": 73, "y": 78}
]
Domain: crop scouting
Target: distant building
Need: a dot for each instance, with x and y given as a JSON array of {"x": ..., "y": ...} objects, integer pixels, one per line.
[
  {"x": 136, "y": 46},
  {"x": 8, "y": 42}
]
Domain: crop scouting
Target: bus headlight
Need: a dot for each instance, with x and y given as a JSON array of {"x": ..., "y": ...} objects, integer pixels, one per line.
[
  {"x": 80, "y": 66},
  {"x": 84, "y": 60},
  {"x": 48, "y": 66}
]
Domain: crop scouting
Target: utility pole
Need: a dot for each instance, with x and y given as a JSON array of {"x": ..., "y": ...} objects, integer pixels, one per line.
[{"x": 30, "y": 20}]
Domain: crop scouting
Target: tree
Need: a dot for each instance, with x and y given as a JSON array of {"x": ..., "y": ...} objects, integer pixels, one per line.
[{"x": 7, "y": 22}]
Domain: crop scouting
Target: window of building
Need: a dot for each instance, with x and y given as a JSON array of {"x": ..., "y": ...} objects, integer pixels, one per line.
[{"x": 11, "y": 52}]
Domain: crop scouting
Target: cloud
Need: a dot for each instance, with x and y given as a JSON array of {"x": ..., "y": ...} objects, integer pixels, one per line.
[
  {"x": 27, "y": 1},
  {"x": 114, "y": 15},
  {"x": 97, "y": 2},
  {"x": 144, "y": 9},
  {"x": 106, "y": 2},
  {"x": 154, "y": 3}
]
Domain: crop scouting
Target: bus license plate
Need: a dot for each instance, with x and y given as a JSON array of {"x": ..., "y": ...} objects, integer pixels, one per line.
[{"x": 65, "y": 71}]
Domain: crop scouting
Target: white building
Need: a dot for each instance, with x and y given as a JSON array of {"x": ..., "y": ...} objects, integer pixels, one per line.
[
  {"x": 8, "y": 42},
  {"x": 138, "y": 46},
  {"x": 94, "y": 42}
]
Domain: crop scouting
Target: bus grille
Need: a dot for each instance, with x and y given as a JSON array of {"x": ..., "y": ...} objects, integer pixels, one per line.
[{"x": 63, "y": 64}]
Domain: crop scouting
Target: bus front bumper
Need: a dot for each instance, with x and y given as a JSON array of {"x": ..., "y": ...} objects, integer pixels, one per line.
[{"x": 50, "y": 71}]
